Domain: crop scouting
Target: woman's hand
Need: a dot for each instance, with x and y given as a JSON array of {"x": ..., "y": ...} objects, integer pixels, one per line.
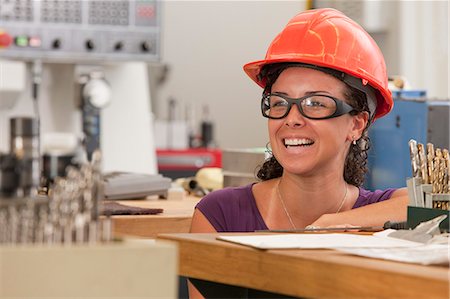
[{"x": 326, "y": 220}]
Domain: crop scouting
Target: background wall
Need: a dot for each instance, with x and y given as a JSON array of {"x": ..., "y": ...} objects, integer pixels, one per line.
[{"x": 424, "y": 45}]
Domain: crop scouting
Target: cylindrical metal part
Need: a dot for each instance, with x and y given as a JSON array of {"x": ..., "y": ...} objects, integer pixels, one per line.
[{"x": 24, "y": 145}]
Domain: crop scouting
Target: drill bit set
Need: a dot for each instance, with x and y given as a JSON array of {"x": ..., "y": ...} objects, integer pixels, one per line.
[
  {"x": 69, "y": 214},
  {"x": 429, "y": 186}
]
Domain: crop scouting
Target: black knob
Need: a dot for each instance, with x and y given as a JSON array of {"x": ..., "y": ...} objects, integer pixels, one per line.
[
  {"x": 56, "y": 43},
  {"x": 118, "y": 46},
  {"x": 146, "y": 46},
  {"x": 90, "y": 45}
]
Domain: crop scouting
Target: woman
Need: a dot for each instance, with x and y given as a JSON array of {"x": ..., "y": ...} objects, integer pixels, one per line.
[{"x": 325, "y": 82}]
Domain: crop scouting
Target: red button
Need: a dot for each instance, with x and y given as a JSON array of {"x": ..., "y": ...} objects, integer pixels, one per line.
[{"x": 5, "y": 39}]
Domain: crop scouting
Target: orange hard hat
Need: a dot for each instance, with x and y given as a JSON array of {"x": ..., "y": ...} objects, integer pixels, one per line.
[{"x": 328, "y": 39}]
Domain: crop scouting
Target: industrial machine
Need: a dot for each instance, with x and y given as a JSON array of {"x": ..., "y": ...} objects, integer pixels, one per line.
[
  {"x": 413, "y": 117},
  {"x": 86, "y": 72},
  {"x": 74, "y": 84}
]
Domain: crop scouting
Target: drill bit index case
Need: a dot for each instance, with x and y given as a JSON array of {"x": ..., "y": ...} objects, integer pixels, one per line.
[{"x": 429, "y": 188}]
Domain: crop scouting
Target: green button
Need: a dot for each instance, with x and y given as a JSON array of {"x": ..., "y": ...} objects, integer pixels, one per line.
[{"x": 22, "y": 41}]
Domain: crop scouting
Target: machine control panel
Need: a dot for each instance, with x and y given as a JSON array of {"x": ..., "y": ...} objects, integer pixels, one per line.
[{"x": 82, "y": 30}]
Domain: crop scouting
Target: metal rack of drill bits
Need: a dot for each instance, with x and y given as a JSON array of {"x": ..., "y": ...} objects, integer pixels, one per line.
[
  {"x": 429, "y": 186},
  {"x": 70, "y": 213}
]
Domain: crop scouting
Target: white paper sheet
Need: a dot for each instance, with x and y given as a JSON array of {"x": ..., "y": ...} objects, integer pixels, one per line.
[
  {"x": 317, "y": 241},
  {"x": 425, "y": 254}
]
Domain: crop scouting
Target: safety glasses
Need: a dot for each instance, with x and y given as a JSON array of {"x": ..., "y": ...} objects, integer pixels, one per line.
[{"x": 312, "y": 106}]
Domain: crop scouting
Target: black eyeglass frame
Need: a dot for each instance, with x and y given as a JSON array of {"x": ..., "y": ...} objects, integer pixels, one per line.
[{"x": 341, "y": 106}]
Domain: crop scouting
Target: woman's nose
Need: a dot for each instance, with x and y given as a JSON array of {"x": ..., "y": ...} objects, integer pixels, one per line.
[{"x": 294, "y": 118}]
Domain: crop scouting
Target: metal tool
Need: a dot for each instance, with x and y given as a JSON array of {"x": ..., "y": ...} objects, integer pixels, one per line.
[
  {"x": 446, "y": 157},
  {"x": 325, "y": 229},
  {"x": 430, "y": 163},
  {"x": 423, "y": 163},
  {"x": 386, "y": 225},
  {"x": 414, "y": 157}
]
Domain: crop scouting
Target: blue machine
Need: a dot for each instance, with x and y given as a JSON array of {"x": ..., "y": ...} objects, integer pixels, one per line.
[{"x": 419, "y": 119}]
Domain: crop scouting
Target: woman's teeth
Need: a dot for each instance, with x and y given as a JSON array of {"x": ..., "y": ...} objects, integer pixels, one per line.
[{"x": 298, "y": 142}]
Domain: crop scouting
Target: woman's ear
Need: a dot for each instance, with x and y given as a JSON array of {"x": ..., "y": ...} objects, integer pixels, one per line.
[{"x": 359, "y": 124}]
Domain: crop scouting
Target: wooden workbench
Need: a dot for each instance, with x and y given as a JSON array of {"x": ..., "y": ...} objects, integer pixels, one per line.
[
  {"x": 176, "y": 217},
  {"x": 306, "y": 273}
]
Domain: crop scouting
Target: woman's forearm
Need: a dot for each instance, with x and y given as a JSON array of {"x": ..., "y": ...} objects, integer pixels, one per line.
[{"x": 393, "y": 209}]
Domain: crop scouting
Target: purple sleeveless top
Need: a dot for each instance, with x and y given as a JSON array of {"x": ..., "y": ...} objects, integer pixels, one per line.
[{"x": 233, "y": 209}]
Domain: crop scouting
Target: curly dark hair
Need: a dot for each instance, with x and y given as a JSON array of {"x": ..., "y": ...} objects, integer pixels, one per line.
[{"x": 355, "y": 166}]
